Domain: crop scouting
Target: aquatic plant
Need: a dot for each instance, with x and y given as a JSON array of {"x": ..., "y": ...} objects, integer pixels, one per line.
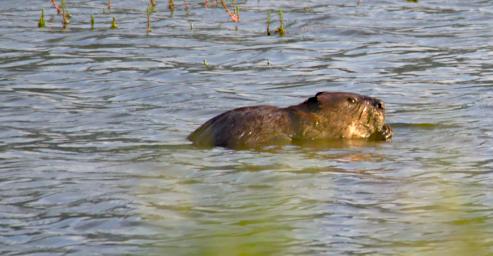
[
  {"x": 149, "y": 11},
  {"x": 151, "y": 7},
  {"x": 281, "y": 30},
  {"x": 65, "y": 14},
  {"x": 114, "y": 25},
  {"x": 41, "y": 22},
  {"x": 61, "y": 9},
  {"x": 206, "y": 64},
  {"x": 232, "y": 15},
  {"x": 237, "y": 12},
  {"x": 171, "y": 5},
  {"x": 57, "y": 7}
]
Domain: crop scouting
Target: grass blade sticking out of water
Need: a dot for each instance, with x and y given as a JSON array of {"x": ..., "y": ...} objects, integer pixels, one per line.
[
  {"x": 114, "y": 25},
  {"x": 171, "y": 5},
  {"x": 151, "y": 7},
  {"x": 149, "y": 11},
  {"x": 65, "y": 14},
  {"x": 237, "y": 12},
  {"x": 281, "y": 30},
  {"x": 41, "y": 22},
  {"x": 61, "y": 10},
  {"x": 268, "y": 23}
]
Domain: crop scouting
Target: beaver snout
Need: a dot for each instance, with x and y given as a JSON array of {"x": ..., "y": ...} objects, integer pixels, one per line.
[{"x": 378, "y": 104}]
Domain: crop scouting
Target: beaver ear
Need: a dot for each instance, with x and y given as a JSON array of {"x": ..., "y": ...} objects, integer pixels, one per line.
[{"x": 313, "y": 103}]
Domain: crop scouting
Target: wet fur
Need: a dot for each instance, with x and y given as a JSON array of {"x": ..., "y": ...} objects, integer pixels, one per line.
[{"x": 326, "y": 116}]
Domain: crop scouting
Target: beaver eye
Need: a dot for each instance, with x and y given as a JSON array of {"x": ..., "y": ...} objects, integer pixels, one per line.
[{"x": 351, "y": 100}]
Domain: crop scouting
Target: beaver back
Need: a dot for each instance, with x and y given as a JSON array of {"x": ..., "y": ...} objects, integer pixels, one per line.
[{"x": 247, "y": 127}]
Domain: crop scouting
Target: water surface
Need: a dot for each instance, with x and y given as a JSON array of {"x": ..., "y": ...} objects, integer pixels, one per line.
[{"x": 93, "y": 152}]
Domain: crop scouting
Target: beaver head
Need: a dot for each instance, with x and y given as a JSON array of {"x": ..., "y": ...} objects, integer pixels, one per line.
[{"x": 341, "y": 115}]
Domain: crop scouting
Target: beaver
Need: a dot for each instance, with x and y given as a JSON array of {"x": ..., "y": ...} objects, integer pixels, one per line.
[{"x": 327, "y": 116}]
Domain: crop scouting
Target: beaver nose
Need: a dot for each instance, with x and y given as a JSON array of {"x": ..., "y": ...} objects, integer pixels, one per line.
[{"x": 378, "y": 104}]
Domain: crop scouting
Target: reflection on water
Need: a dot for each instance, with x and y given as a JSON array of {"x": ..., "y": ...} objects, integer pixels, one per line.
[{"x": 93, "y": 124}]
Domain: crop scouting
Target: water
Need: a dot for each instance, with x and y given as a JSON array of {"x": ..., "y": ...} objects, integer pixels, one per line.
[{"x": 93, "y": 152}]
